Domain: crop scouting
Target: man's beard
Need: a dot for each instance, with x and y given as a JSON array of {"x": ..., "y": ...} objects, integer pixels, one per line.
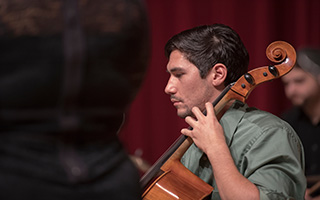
[
  {"x": 186, "y": 113},
  {"x": 298, "y": 101}
]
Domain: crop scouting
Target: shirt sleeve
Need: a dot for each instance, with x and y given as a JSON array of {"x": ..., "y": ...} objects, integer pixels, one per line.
[{"x": 275, "y": 163}]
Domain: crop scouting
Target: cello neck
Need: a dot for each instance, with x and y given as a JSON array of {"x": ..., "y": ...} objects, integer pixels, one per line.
[{"x": 177, "y": 149}]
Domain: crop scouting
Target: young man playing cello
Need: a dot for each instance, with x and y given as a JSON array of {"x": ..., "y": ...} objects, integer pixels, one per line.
[{"x": 248, "y": 153}]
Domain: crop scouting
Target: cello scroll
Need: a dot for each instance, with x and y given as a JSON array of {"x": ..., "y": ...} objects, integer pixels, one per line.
[{"x": 282, "y": 54}]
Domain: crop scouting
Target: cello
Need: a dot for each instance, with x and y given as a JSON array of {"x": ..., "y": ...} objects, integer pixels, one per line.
[{"x": 168, "y": 178}]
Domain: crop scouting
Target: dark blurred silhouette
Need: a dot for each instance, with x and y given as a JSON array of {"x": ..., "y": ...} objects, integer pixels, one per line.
[
  {"x": 69, "y": 69},
  {"x": 302, "y": 88}
]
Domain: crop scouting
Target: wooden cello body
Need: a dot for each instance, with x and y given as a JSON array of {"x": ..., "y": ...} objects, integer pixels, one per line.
[{"x": 168, "y": 178}]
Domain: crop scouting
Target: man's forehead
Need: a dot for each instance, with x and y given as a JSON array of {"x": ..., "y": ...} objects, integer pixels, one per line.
[
  {"x": 178, "y": 62},
  {"x": 295, "y": 73}
]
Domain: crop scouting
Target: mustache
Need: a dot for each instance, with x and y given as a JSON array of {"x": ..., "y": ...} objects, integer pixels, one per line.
[{"x": 173, "y": 97}]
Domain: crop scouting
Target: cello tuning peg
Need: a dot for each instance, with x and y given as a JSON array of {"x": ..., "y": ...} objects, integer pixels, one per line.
[
  {"x": 249, "y": 78},
  {"x": 273, "y": 70}
]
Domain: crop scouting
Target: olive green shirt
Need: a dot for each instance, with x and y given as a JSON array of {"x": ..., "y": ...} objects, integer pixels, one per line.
[{"x": 265, "y": 150}]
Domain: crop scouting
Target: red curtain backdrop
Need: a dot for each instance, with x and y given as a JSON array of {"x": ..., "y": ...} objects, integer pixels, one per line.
[{"x": 152, "y": 124}]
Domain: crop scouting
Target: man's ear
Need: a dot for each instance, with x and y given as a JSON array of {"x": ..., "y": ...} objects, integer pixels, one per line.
[{"x": 218, "y": 74}]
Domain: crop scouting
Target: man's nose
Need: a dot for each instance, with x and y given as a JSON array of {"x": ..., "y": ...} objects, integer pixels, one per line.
[
  {"x": 289, "y": 89},
  {"x": 170, "y": 88}
]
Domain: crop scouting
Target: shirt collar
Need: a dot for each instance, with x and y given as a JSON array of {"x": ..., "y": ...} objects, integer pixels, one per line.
[{"x": 231, "y": 119}]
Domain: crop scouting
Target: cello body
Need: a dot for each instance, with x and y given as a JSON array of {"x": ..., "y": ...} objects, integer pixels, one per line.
[{"x": 176, "y": 181}]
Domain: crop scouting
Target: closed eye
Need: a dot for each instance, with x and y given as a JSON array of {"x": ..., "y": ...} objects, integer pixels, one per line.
[
  {"x": 177, "y": 72},
  {"x": 178, "y": 75}
]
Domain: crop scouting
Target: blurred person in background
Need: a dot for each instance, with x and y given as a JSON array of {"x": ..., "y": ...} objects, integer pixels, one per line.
[
  {"x": 69, "y": 69},
  {"x": 302, "y": 88}
]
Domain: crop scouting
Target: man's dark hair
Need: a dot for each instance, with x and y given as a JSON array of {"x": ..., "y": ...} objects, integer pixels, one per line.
[
  {"x": 308, "y": 59},
  {"x": 204, "y": 46}
]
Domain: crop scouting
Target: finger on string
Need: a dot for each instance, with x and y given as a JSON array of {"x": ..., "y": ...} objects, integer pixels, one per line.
[
  {"x": 186, "y": 131},
  {"x": 197, "y": 113},
  {"x": 209, "y": 108},
  {"x": 190, "y": 120}
]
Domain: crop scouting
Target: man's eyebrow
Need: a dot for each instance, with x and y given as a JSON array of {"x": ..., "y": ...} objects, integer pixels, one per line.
[{"x": 175, "y": 69}]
